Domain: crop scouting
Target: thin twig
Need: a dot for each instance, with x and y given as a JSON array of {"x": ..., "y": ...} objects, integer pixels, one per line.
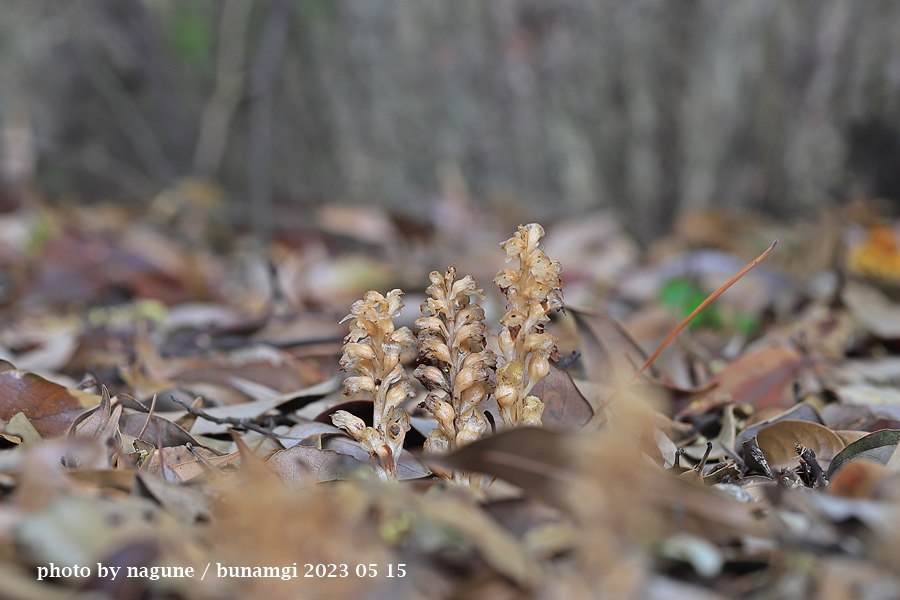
[
  {"x": 149, "y": 416},
  {"x": 241, "y": 423},
  {"x": 678, "y": 329},
  {"x": 203, "y": 460}
]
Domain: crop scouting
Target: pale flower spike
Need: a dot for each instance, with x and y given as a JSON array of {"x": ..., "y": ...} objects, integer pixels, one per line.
[
  {"x": 532, "y": 291},
  {"x": 371, "y": 355},
  {"x": 455, "y": 367}
]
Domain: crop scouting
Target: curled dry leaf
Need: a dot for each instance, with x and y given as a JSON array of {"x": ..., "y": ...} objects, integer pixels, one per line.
[
  {"x": 799, "y": 412},
  {"x": 778, "y": 440}
]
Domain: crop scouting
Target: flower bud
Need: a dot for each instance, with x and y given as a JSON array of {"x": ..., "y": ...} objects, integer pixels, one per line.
[
  {"x": 434, "y": 350},
  {"x": 532, "y": 410},
  {"x": 510, "y": 374},
  {"x": 443, "y": 412},
  {"x": 507, "y": 344},
  {"x": 506, "y": 396},
  {"x": 395, "y": 396},
  {"x": 357, "y": 351},
  {"x": 431, "y": 377},
  {"x": 359, "y": 383},
  {"x": 431, "y": 325},
  {"x": 538, "y": 368},
  {"x": 466, "y": 436},
  {"x": 473, "y": 421},
  {"x": 506, "y": 278},
  {"x": 464, "y": 379},
  {"x": 472, "y": 396},
  {"x": 436, "y": 443},
  {"x": 349, "y": 422}
]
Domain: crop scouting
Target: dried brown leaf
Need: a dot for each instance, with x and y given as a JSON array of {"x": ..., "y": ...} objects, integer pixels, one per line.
[
  {"x": 50, "y": 407},
  {"x": 778, "y": 440},
  {"x": 304, "y": 465},
  {"x": 759, "y": 379},
  {"x": 564, "y": 406},
  {"x": 538, "y": 460}
]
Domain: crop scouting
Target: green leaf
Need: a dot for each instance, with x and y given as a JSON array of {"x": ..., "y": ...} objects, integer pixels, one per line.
[
  {"x": 683, "y": 295},
  {"x": 878, "y": 447}
]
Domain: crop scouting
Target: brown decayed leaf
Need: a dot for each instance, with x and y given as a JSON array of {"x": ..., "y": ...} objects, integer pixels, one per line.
[
  {"x": 185, "y": 504},
  {"x": 608, "y": 352},
  {"x": 760, "y": 379},
  {"x": 798, "y": 412},
  {"x": 158, "y": 431},
  {"x": 778, "y": 440},
  {"x": 304, "y": 465},
  {"x": 92, "y": 423},
  {"x": 536, "y": 459},
  {"x": 848, "y": 436},
  {"x": 564, "y": 406},
  {"x": 50, "y": 407},
  {"x": 858, "y": 479}
]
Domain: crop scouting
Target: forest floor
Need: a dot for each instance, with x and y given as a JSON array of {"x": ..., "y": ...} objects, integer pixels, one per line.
[{"x": 169, "y": 392}]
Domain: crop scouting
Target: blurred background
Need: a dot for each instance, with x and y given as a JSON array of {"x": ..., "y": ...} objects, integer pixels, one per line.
[{"x": 533, "y": 109}]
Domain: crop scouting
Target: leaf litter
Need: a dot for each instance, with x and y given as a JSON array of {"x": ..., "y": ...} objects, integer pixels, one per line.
[{"x": 193, "y": 416}]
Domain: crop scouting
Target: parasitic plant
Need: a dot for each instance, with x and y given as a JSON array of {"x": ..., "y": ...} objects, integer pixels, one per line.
[
  {"x": 456, "y": 367},
  {"x": 532, "y": 291},
  {"x": 372, "y": 356}
]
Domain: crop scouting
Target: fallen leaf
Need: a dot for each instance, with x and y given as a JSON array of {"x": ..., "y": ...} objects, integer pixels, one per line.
[
  {"x": 868, "y": 395},
  {"x": 609, "y": 354},
  {"x": 798, "y": 412},
  {"x": 722, "y": 443},
  {"x": 22, "y": 428},
  {"x": 850, "y": 435},
  {"x": 92, "y": 423},
  {"x": 184, "y": 503},
  {"x": 305, "y": 430},
  {"x": 878, "y": 447},
  {"x": 159, "y": 432},
  {"x": 303, "y": 465},
  {"x": 536, "y": 459},
  {"x": 50, "y": 407},
  {"x": 858, "y": 479},
  {"x": 760, "y": 379},
  {"x": 872, "y": 310},
  {"x": 564, "y": 406},
  {"x": 778, "y": 440}
]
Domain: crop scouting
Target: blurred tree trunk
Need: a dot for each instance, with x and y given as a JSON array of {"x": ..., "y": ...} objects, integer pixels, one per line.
[{"x": 649, "y": 106}]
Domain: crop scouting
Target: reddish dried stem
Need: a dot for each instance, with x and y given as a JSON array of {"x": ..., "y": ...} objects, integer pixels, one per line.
[{"x": 681, "y": 326}]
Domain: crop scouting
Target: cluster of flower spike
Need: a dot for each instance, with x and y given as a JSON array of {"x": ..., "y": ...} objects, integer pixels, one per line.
[
  {"x": 456, "y": 367},
  {"x": 532, "y": 291},
  {"x": 372, "y": 355}
]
